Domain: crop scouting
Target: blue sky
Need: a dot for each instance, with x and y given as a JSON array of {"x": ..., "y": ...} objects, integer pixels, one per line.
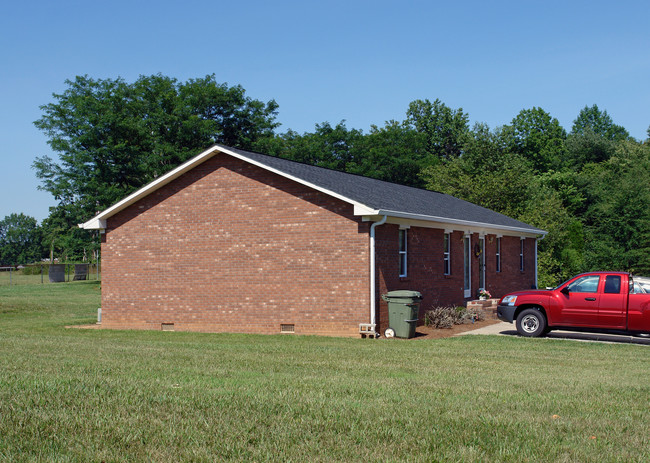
[{"x": 359, "y": 61}]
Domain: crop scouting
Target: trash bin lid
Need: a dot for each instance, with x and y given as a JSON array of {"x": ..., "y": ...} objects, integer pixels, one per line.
[{"x": 404, "y": 294}]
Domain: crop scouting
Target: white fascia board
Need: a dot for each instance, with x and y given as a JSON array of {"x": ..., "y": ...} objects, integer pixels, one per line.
[
  {"x": 360, "y": 209},
  {"x": 465, "y": 223},
  {"x": 94, "y": 224}
]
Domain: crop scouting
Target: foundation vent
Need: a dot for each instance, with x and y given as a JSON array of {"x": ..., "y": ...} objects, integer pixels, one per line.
[
  {"x": 167, "y": 327},
  {"x": 288, "y": 328}
]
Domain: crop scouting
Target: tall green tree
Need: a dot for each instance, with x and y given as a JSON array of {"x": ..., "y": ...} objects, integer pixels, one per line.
[
  {"x": 445, "y": 129},
  {"x": 394, "y": 153},
  {"x": 328, "y": 146},
  {"x": 593, "y": 138},
  {"x": 588, "y": 147},
  {"x": 617, "y": 218},
  {"x": 20, "y": 240},
  {"x": 539, "y": 137},
  {"x": 592, "y": 119},
  {"x": 112, "y": 137}
]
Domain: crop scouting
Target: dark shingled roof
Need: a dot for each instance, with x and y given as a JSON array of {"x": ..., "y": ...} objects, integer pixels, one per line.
[{"x": 386, "y": 196}]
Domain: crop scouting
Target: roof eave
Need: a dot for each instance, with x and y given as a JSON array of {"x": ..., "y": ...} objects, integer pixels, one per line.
[
  {"x": 99, "y": 221},
  {"x": 463, "y": 223}
]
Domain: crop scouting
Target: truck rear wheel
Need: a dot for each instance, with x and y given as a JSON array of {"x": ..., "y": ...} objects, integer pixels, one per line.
[{"x": 531, "y": 323}]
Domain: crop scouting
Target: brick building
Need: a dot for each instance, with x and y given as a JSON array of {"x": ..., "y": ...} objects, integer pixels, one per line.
[{"x": 242, "y": 242}]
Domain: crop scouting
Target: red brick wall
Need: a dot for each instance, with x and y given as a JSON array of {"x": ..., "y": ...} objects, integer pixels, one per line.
[
  {"x": 426, "y": 271},
  {"x": 510, "y": 278},
  {"x": 232, "y": 247}
]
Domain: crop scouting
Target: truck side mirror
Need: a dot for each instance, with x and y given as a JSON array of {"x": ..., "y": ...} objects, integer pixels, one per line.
[{"x": 565, "y": 290}]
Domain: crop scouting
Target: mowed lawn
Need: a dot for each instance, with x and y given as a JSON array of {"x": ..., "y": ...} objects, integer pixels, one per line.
[{"x": 101, "y": 395}]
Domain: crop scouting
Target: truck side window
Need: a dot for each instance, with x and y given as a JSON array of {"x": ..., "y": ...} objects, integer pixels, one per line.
[
  {"x": 612, "y": 284},
  {"x": 586, "y": 284}
]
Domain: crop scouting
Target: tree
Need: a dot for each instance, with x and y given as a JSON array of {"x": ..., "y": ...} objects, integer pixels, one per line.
[
  {"x": 394, "y": 153},
  {"x": 593, "y": 138},
  {"x": 617, "y": 219},
  {"x": 62, "y": 237},
  {"x": 113, "y": 137},
  {"x": 445, "y": 129},
  {"x": 561, "y": 252},
  {"x": 591, "y": 119},
  {"x": 20, "y": 240},
  {"x": 539, "y": 138},
  {"x": 588, "y": 147}
]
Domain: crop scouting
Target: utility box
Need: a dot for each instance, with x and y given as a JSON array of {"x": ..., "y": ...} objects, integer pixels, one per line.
[{"x": 403, "y": 312}]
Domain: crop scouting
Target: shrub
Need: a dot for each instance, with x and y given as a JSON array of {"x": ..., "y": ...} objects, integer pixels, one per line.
[
  {"x": 34, "y": 269},
  {"x": 448, "y": 316},
  {"x": 474, "y": 314},
  {"x": 445, "y": 316}
]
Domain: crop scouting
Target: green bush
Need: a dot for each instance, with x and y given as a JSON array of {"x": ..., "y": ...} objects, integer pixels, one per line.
[{"x": 34, "y": 269}]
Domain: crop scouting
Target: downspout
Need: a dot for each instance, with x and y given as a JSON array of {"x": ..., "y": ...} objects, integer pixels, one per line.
[
  {"x": 373, "y": 303},
  {"x": 537, "y": 238}
]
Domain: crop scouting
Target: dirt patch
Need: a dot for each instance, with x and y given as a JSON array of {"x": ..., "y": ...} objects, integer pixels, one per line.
[
  {"x": 426, "y": 332},
  {"x": 94, "y": 326}
]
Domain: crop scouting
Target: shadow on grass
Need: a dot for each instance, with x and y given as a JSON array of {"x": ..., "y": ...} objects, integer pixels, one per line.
[{"x": 591, "y": 337}]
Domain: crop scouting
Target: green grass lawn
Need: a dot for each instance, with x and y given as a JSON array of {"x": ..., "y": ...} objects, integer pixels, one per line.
[{"x": 100, "y": 395}]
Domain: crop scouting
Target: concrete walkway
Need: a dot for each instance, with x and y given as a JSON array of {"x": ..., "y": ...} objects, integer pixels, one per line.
[{"x": 508, "y": 329}]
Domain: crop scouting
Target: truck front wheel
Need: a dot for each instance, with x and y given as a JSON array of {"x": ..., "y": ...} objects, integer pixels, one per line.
[{"x": 531, "y": 323}]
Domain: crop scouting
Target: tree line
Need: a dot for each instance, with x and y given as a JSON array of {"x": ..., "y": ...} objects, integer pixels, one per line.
[{"x": 587, "y": 187}]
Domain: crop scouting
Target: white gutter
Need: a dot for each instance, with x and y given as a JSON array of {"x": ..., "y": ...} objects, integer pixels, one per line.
[
  {"x": 373, "y": 302},
  {"x": 466, "y": 223},
  {"x": 536, "y": 239}
]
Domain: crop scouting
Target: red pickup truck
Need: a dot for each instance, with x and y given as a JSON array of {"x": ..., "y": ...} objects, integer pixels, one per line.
[{"x": 595, "y": 301}]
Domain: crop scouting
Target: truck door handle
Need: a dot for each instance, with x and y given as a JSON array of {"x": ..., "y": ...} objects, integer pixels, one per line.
[{"x": 590, "y": 298}]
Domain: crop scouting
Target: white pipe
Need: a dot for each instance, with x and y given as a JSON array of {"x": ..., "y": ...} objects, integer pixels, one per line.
[
  {"x": 537, "y": 239},
  {"x": 536, "y": 264},
  {"x": 373, "y": 303}
]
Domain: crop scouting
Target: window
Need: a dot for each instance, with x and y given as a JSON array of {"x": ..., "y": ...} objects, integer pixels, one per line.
[
  {"x": 521, "y": 255},
  {"x": 498, "y": 254},
  {"x": 447, "y": 267},
  {"x": 585, "y": 284},
  {"x": 612, "y": 284},
  {"x": 402, "y": 253}
]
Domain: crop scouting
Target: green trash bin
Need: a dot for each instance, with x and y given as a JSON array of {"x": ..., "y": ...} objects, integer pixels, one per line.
[{"x": 403, "y": 311}]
